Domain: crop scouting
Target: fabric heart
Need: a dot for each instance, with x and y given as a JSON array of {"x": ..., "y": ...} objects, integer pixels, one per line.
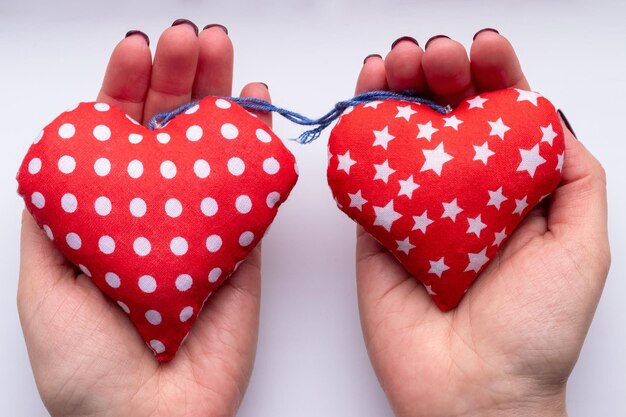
[
  {"x": 158, "y": 219},
  {"x": 443, "y": 192}
]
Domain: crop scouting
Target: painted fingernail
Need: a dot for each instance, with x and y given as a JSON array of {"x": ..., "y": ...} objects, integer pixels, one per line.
[
  {"x": 404, "y": 38},
  {"x": 433, "y": 38},
  {"x": 212, "y": 25},
  {"x": 138, "y": 32},
  {"x": 566, "y": 122},
  {"x": 186, "y": 22},
  {"x": 265, "y": 85},
  {"x": 372, "y": 56},
  {"x": 484, "y": 30}
]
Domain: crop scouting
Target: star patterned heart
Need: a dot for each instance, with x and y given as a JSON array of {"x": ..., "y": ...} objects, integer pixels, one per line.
[
  {"x": 157, "y": 218},
  {"x": 444, "y": 192}
]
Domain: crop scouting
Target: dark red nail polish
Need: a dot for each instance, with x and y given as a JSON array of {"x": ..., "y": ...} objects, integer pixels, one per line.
[
  {"x": 138, "y": 32},
  {"x": 371, "y": 56},
  {"x": 186, "y": 22},
  {"x": 265, "y": 85},
  {"x": 211, "y": 25},
  {"x": 404, "y": 38},
  {"x": 484, "y": 30},
  {"x": 566, "y": 122},
  {"x": 433, "y": 38}
]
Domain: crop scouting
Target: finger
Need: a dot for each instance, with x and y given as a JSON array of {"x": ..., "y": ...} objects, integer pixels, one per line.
[
  {"x": 535, "y": 224},
  {"x": 260, "y": 91},
  {"x": 447, "y": 70},
  {"x": 214, "y": 75},
  {"x": 174, "y": 69},
  {"x": 372, "y": 76},
  {"x": 127, "y": 76},
  {"x": 403, "y": 66},
  {"x": 494, "y": 63}
]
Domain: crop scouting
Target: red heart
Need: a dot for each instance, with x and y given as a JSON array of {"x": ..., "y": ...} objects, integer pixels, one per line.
[
  {"x": 443, "y": 192},
  {"x": 158, "y": 219}
]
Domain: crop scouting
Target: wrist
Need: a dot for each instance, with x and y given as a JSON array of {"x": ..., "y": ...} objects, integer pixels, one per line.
[{"x": 549, "y": 405}]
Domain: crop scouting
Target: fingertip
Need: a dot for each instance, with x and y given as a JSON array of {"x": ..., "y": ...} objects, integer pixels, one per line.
[
  {"x": 372, "y": 75},
  {"x": 403, "y": 66},
  {"x": 259, "y": 90},
  {"x": 214, "y": 74}
]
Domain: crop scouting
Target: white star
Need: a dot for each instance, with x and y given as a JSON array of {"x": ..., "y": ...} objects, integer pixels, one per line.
[
  {"x": 530, "y": 160},
  {"x": 337, "y": 202},
  {"x": 345, "y": 162},
  {"x": 498, "y": 128},
  {"x": 357, "y": 200},
  {"x": 383, "y": 171},
  {"x": 382, "y": 137},
  {"x": 438, "y": 267},
  {"x": 476, "y": 102},
  {"x": 499, "y": 237},
  {"x": 385, "y": 216},
  {"x": 482, "y": 153},
  {"x": 530, "y": 96},
  {"x": 477, "y": 260},
  {"x": 407, "y": 187},
  {"x": 373, "y": 104},
  {"x": 330, "y": 156},
  {"x": 451, "y": 209},
  {"x": 426, "y": 131},
  {"x": 548, "y": 134},
  {"x": 404, "y": 245},
  {"x": 405, "y": 112},
  {"x": 560, "y": 160},
  {"x": 520, "y": 205},
  {"x": 452, "y": 122},
  {"x": 496, "y": 198},
  {"x": 475, "y": 225},
  {"x": 421, "y": 222},
  {"x": 429, "y": 290},
  {"x": 435, "y": 159}
]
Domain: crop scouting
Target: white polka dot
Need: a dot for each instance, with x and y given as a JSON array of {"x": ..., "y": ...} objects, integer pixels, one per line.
[
  {"x": 236, "y": 166},
  {"x": 147, "y": 284},
  {"x": 243, "y": 204},
  {"x": 84, "y": 270},
  {"x": 215, "y": 274},
  {"x": 69, "y": 203},
  {"x": 201, "y": 168},
  {"x": 102, "y": 133},
  {"x": 112, "y": 279},
  {"x": 186, "y": 313},
  {"x": 153, "y": 317},
  {"x": 34, "y": 166},
  {"x": 135, "y": 168},
  {"x": 101, "y": 107},
  {"x": 103, "y": 206},
  {"x": 67, "y": 130},
  {"x": 48, "y": 231},
  {"x": 39, "y": 136},
  {"x": 272, "y": 199},
  {"x": 184, "y": 282},
  {"x": 38, "y": 200},
  {"x": 163, "y": 137},
  {"x": 214, "y": 243},
  {"x": 208, "y": 206},
  {"x": 106, "y": 244},
  {"x": 222, "y": 104},
  {"x": 246, "y": 238},
  {"x": 157, "y": 346},
  {"x": 142, "y": 246},
  {"x": 271, "y": 166},
  {"x": 193, "y": 109},
  {"x": 173, "y": 207},
  {"x": 67, "y": 164},
  {"x": 168, "y": 170},
  {"x": 138, "y": 207},
  {"x": 124, "y": 307},
  {"x": 229, "y": 131},
  {"x": 135, "y": 138},
  {"x": 73, "y": 241},
  {"x": 263, "y": 136},
  {"x": 102, "y": 166},
  {"x": 179, "y": 246},
  {"x": 132, "y": 120},
  {"x": 194, "y": 133},
  {"x": 296, "y": 169}
]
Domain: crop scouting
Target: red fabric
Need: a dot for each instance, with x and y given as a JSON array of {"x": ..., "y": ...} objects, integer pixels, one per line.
[
  {"x": 158, "y": 237},
  {"x": 401, "y": 170}
]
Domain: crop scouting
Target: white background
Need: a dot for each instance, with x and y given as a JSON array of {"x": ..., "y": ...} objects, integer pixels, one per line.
[{"x": 311, "y": 360}]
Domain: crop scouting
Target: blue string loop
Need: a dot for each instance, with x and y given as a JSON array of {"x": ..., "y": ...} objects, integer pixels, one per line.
[{"x": 320, "y": 124}]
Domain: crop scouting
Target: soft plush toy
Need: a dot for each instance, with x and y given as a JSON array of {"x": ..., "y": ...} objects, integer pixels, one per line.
[
  {"x": 157, "y": 218},
  {"x": 443, "y": 192}
]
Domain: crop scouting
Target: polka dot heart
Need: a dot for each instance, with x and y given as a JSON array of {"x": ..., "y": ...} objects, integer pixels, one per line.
[
  {"x": 443, "y": 192},
  {"x": 158, "y": 219}
]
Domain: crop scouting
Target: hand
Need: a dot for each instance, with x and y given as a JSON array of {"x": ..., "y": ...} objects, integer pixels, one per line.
[
  {"x": 510, "y": 346},
  {"x": 87, "y": 357}
]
